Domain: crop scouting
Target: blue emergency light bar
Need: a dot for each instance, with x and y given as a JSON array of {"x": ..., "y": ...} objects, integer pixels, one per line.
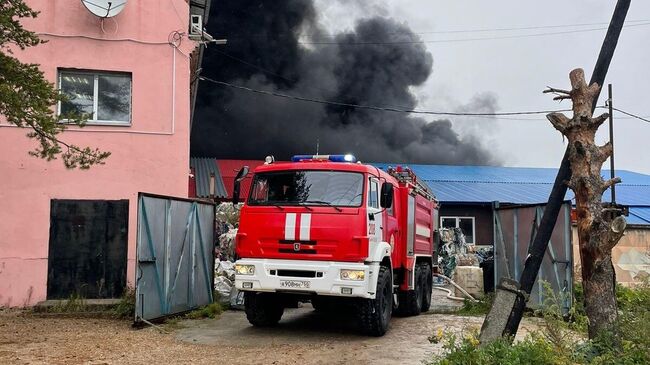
[{"x": 332, "y": 158}]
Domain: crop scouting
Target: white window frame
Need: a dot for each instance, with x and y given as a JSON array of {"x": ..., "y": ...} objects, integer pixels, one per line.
[
  {"x": 95, "y": 75},
  {"x": 370, "y": 193},
  {"x": 457, "y": 219}
]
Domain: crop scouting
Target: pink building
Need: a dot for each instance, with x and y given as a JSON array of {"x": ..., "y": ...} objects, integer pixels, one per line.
[{"x": 66, "y": 232}]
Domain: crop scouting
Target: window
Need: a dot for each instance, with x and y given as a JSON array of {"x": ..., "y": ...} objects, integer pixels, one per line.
[
  {"x": 104, "y": 96},
  {"x": 391, "y": 210},
  {"x": 466, "y": 224},
  {"x": 373, "y": 195}
]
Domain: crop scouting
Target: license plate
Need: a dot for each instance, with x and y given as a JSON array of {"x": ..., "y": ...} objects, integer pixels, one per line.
[{"x": 294, "y": 284}]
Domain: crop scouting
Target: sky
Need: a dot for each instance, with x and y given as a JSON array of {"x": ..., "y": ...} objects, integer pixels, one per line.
[{"x": 516, "y": 70}]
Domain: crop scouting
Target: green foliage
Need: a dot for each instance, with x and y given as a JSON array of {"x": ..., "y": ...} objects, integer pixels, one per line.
[
  {"x": 634, "y": 298},
  {"x": 125, "y": 309},
  {"x": 211, "y": 310},
  {"x": 74, "y": 304},
  {"x": 532, "y": 350},
  {"x": 559, "y": 342},
  {"x": 634, "y": 317},
  {"x": 479, "y": 308},
  {"x": 27, "y": 99},
  {"x": 173, "y": 323}
]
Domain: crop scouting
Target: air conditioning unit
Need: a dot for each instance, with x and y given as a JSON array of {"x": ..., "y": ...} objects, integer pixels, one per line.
[{"x": 196, "y": 25}]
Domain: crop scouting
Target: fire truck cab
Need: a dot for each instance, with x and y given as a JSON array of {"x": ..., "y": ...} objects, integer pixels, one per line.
[{"x": 335, "y": 232}]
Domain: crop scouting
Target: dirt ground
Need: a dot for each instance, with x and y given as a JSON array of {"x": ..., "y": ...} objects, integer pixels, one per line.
[{"x": 303, "y": 336}]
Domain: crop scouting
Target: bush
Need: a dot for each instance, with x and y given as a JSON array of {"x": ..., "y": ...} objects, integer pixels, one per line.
[
  {"x": 532, "y": 350},
  {"x": 558, "y": 343},
  {"x": 633, "y": 299},
  {"x": 537, "y": 349},
  {"x": 125, "y": 309}
]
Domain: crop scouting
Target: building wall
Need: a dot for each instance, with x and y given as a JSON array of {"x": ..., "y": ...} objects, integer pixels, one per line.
[
  {"x": 483, "y": 222},
  {"x": 631, "y": 256},
  {"x": 151, "y": 155}
]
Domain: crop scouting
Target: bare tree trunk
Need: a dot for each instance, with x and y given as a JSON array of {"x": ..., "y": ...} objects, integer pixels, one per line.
[{"x": 597, "y": 233}]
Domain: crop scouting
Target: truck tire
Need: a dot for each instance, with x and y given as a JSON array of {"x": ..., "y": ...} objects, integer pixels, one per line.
[
  {"x": 263, "y": 309},
  {"x": 375, "y": 314},
  {"x": 427, "y": 288},
  {"x": 410, "y": 301}
]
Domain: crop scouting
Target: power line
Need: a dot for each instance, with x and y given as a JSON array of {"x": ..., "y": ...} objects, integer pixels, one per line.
[
  {"x": 257, "y": 67},
  {"x": 483, "y": 30},
  {"x": 464, "y": 39},
  {"x": 374, "y": 107},
  {"x": 478, "y": 30},
  {"x": 632, "y": 115}
]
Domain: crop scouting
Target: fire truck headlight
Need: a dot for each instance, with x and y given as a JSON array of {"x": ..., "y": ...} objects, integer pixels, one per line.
[
  {"x": 355, "y": 275},
  {"x": 245, "y": 269}
]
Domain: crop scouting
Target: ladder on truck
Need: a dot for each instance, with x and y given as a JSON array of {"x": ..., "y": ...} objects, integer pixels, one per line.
[{"x": 407, "y": 176}]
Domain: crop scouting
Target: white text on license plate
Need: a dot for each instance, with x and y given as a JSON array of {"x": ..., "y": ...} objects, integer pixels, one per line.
[{"x": 294, "y": 284}]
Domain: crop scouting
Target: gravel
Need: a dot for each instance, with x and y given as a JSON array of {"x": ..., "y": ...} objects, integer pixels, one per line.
[{"x": 303, "y": 336}]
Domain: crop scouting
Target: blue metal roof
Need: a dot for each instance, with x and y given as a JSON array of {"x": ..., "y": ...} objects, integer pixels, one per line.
[
  {"x": 639, "y": 215},
  {"x": 516, "y": 185}
]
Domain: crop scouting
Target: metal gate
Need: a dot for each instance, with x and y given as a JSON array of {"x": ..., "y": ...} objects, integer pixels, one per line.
[
  {"x": 514, "y": 230},
  {"x": 175, "y": 264}
]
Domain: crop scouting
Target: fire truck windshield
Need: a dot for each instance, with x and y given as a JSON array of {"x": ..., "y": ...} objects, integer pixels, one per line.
[{"x": 307, "y": 187}]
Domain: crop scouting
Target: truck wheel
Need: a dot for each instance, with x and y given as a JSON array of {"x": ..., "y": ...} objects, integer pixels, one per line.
[
  {"x": 375, "y": 314},
  {"x": 427, "y": 288},
  {"x": 410, "y": 302},
  {"x": 263, "y": 309}
]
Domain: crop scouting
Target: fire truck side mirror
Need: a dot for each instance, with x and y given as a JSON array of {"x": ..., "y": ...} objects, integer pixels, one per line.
[
  {"x": 386, "y": 197},
  {"x": 235, "y": 189}
]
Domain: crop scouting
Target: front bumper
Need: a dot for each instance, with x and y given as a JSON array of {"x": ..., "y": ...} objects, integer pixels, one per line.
[{"x": 271, "y": 273}]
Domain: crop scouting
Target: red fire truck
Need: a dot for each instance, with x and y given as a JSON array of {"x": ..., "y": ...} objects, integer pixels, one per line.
[{"x": 335, "y": 232}]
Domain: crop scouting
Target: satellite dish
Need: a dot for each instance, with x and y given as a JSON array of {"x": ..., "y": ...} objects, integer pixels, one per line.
[{"x": 104, "y": 8}]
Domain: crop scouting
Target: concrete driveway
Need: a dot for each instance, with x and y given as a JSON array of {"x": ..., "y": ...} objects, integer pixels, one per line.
[{"x": 304, "y": 336}]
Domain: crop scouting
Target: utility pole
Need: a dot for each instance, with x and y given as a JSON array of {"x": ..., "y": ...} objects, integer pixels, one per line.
[
  {"x": 500, "y": 321},
  {"x": 611, "y": 140}
]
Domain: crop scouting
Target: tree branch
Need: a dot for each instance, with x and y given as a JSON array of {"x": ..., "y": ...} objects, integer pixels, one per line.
[
  {"x": 597, "y": 121},
  {"x": 561, "y": 94},
  {"x": 614, "y": 234},
  {"x": 559, "y": 121},
  {"x": 604, "y": 152},
  {"x": 74, "y": 155},
  {"x": 609, "y": 183}
]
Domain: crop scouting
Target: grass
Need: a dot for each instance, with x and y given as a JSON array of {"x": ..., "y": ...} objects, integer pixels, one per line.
[
  {"x": 74, "y": 304},
  {"x": 559, "y": 342},
  {"x": 172, "y": 324},
  {"x": 125, "y": 309},
  {"x": 211, "y": 310},
  {"x": 482, "y": 307}
]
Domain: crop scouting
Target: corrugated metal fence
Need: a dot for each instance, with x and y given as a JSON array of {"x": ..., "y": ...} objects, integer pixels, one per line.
[
  {"x": 514, "y": 230},
  {"x": 175, "y": 264}
]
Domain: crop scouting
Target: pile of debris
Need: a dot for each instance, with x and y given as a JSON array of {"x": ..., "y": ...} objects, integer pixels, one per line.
[
  {"x": 454, "y": 251},
  {"x": 227, "y": 221},
  {"x": 459, "y": 261},
  {"x": 224, "y": 284}
]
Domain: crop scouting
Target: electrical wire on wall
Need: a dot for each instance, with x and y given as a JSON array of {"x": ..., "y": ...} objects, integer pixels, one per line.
[{"x": 101, "y": 25}]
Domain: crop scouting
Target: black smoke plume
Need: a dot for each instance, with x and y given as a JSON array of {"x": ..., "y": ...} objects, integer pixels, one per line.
[{"x": 271, "y": 47}]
